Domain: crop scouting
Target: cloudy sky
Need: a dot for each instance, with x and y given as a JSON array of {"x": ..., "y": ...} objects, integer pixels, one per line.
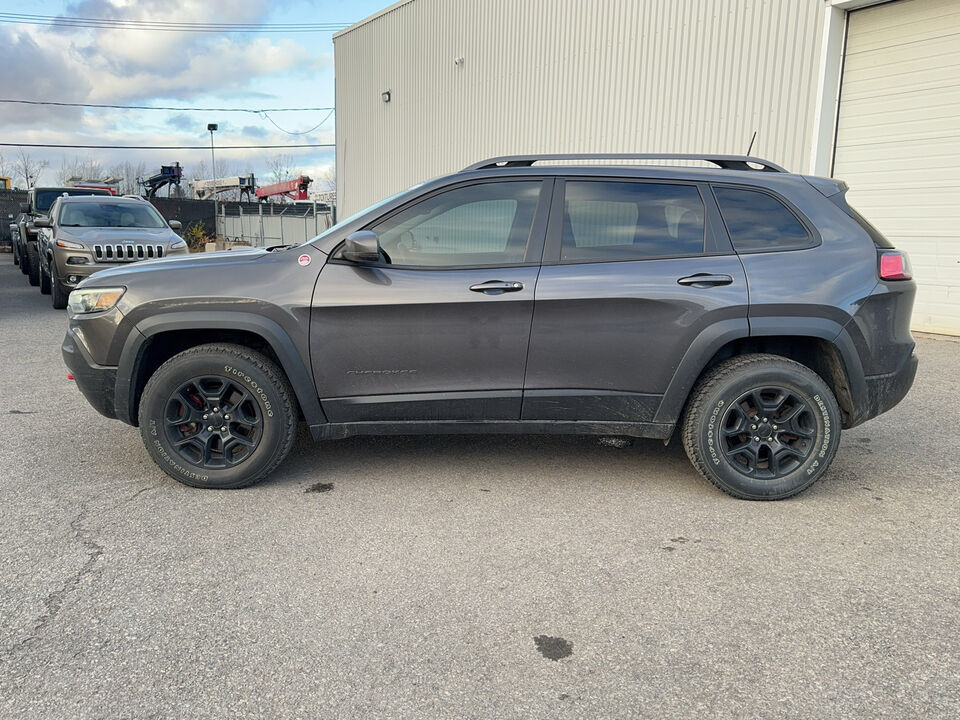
[{"x": 182, "y": 69}]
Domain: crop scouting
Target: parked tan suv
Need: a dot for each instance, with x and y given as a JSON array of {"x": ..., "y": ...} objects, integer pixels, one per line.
[{"x": 85, "y": 234}]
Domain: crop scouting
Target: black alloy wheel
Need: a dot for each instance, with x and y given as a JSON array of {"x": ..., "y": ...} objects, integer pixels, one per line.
[
  {"x": 218, "y": 416},
  {"x": 213, "y": 422},
  {"x": 768, "y": 432},
  {"x": 761, "y": 426}
]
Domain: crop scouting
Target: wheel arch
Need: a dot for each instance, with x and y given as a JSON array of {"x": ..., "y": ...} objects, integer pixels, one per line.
[
  {"x": 822, "y": 345},
  {"x": 156, "y": 339}
]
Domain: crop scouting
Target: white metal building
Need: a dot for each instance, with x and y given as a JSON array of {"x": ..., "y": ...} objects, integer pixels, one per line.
[{"x": 862, "y": 90}]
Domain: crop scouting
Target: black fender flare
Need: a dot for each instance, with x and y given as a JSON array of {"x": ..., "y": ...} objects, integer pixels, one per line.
[
  {"x": 270, "y": 331},
  {"x": 706, "y": 345}
]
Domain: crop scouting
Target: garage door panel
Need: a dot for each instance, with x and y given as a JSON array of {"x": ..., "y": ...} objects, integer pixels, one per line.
[
  {"x": 896, "y": 58},
  {"x": 942, "y": 79}
]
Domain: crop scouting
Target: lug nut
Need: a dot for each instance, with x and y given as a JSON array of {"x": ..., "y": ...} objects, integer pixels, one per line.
[
  {"x": 204, "y": 417},
  {"x": 752, "y": 427},
  {"x": 764, "y": 419},
  {"x": 757, "y": 439},
  {"x": 226, "y": 417},
  {"x": 216, "y": 409},
  {"x": 210, "y": 428},
  {"x": 223, "y": 428}
]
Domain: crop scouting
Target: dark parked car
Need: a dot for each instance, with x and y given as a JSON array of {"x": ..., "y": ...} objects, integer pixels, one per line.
[{"x": 745, "y": 309}]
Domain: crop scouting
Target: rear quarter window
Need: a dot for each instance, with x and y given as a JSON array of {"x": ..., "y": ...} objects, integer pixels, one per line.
[{"x": 757, "y": 221}]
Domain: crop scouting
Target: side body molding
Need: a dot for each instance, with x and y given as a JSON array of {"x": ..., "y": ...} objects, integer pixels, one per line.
[{"x": 271, "y": 332}]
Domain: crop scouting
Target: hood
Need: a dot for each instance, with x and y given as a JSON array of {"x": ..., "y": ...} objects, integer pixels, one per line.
[
  {"x": 201, "y": 261},
  {"x": 93, "y": 235}
]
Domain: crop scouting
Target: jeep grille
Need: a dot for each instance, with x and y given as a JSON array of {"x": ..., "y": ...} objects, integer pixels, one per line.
[{"x": 126, "y": 253}]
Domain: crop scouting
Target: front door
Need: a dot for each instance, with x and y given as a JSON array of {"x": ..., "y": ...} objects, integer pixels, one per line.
[
  {"x": 634, "y": 271},
  {"x": 439, "y": 328}
]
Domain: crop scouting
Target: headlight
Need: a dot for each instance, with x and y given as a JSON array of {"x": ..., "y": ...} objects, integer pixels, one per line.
[
  {"x": 92, "y": 300},
  {"x": 179, "y": 245},
  {"x": 69, "y": 245}
]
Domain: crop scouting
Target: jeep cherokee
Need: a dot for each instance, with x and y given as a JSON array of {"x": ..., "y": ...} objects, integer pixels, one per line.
[
  {"x": 85, "y": 234},
  {"x": 39, "y": 201},
  {"x": 749, "y": 310}
]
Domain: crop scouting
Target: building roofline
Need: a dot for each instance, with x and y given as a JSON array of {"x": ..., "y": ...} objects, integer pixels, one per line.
[{"x": 360, "y": 23}]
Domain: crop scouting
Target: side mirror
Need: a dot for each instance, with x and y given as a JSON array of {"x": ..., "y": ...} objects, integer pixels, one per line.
[
  {"x": 175, "y": 225},
  {"x": 25, "y": 207},
  {"x": 361, "y": 246},
  {"x": 42, "y": 221}
]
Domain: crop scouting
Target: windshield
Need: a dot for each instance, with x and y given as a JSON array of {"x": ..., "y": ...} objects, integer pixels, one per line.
[
  {"x": 44, "y": 198},
  {"x": 109, "y": 215}
]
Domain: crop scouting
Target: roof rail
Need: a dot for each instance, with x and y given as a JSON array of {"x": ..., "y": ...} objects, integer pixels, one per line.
[{"x": 726, "y": 162}]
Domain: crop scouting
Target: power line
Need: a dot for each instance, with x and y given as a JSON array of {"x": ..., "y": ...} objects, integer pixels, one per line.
[
  {"x": 166, "y": 26},
  {"x": 156, "y": 107},
  {"x": 167, "y": 147},
  {"x": 303, "y": 132}
]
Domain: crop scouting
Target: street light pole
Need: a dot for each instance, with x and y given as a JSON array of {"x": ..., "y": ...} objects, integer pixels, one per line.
[{"x": 212, "y": 127}]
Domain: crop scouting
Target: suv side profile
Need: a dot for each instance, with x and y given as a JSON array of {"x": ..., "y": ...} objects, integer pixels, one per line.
[
  {"x": 748, "y": 310},
  {"x": 39, "y": 201},
  {"x": 85, "y": 234}
]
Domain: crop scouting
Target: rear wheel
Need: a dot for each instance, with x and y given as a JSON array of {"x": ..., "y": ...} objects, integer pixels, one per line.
[
  {"x": 761, "y": 427},
  {"x": 59, "y": 295},
  {"x": 218, "y": 416},
  {"x": 33, "y": 265}
]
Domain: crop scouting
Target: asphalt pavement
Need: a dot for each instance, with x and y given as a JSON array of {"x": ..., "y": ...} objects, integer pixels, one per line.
[{"x": 486, "y": 577}]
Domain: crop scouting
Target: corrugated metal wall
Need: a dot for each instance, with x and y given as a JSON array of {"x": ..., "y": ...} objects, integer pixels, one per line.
[{"x": 569, "y": 76}]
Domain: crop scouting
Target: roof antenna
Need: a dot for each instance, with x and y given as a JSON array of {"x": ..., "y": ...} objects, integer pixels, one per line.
[{"x": 751, "y": 142}]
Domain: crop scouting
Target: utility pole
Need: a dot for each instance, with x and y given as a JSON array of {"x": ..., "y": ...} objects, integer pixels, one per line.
[{"x": 212, "y": 127}]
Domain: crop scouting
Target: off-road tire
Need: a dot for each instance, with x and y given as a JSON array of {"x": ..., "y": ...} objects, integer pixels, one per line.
[
  {"x": 59, "y": 295},
  {"x": 714, "y": 402},
  {"x": 33, "y": 266},
  {"x": 257, "y": 375},
  {"x": 44, "y": 281}
]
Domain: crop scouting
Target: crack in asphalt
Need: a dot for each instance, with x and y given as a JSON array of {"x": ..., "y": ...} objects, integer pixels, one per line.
[{"x": 55, "y": 599}]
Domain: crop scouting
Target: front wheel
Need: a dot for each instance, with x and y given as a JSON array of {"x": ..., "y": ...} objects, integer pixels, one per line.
[
  {"x": 44, "y": 281},
  {"x": 33, "y": 265},
  {"x": 59, "y": 295},
  {"x": 218, "y": 416},
  {"x": 761, "y": 427}
]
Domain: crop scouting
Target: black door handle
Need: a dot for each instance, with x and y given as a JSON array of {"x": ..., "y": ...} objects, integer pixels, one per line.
[
  {"x": 495, "y": 287},
  {"x": 705, "y": 280}
]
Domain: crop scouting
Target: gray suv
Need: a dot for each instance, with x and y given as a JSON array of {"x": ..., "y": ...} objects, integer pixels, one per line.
[
  {"x": 85, "y": 234},
  {"x": 747, "y": 311}
]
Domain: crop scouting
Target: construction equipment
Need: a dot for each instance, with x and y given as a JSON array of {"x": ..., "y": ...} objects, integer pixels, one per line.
[
  {"x": 110, "y": 184},
  {"x": 169, "y": 176},
  {"x": 204, "y": 189},
  {"x": 296, "y": 189}
]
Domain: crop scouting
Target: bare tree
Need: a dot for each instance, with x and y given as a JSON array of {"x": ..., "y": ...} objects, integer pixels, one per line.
[
  {"x": 83, "y": 168},
  {"x": 129, "y": 175},
  {"x": 27, "y": 168},
  {"x": 282, "y": 167},
  {"x": 5, "y": 170}
]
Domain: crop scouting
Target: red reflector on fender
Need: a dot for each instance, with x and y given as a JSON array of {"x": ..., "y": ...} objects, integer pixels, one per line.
[
  {"x": 69, "y": 376},
  {"x": 894, "y": 266}
]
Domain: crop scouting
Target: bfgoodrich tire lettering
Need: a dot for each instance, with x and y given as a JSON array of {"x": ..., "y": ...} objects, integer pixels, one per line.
[
  {"x": 761, "y": 427},
  {"x": 257, "y": 409}
]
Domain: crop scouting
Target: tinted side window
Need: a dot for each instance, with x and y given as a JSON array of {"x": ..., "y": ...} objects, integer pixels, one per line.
[
  {"x": 630, "y": 221},
  {"x": 757, "y": 221},
  {"x": 485, "y": 224}
]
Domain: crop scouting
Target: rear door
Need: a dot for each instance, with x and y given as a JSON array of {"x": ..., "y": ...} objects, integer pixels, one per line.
[
  {"x": 634, "y": 272},
  {"x": 439, "y": 329}
]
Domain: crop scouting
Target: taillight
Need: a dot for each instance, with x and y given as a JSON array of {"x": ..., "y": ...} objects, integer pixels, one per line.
[{"x": 894, "y": 265}]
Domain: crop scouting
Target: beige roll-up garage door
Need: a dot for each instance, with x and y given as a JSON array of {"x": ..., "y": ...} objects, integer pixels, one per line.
[{"x": 898, "y": 141}]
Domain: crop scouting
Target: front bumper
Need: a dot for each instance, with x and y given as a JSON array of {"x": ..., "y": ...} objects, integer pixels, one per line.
[{"x": 97, "y": 383}]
